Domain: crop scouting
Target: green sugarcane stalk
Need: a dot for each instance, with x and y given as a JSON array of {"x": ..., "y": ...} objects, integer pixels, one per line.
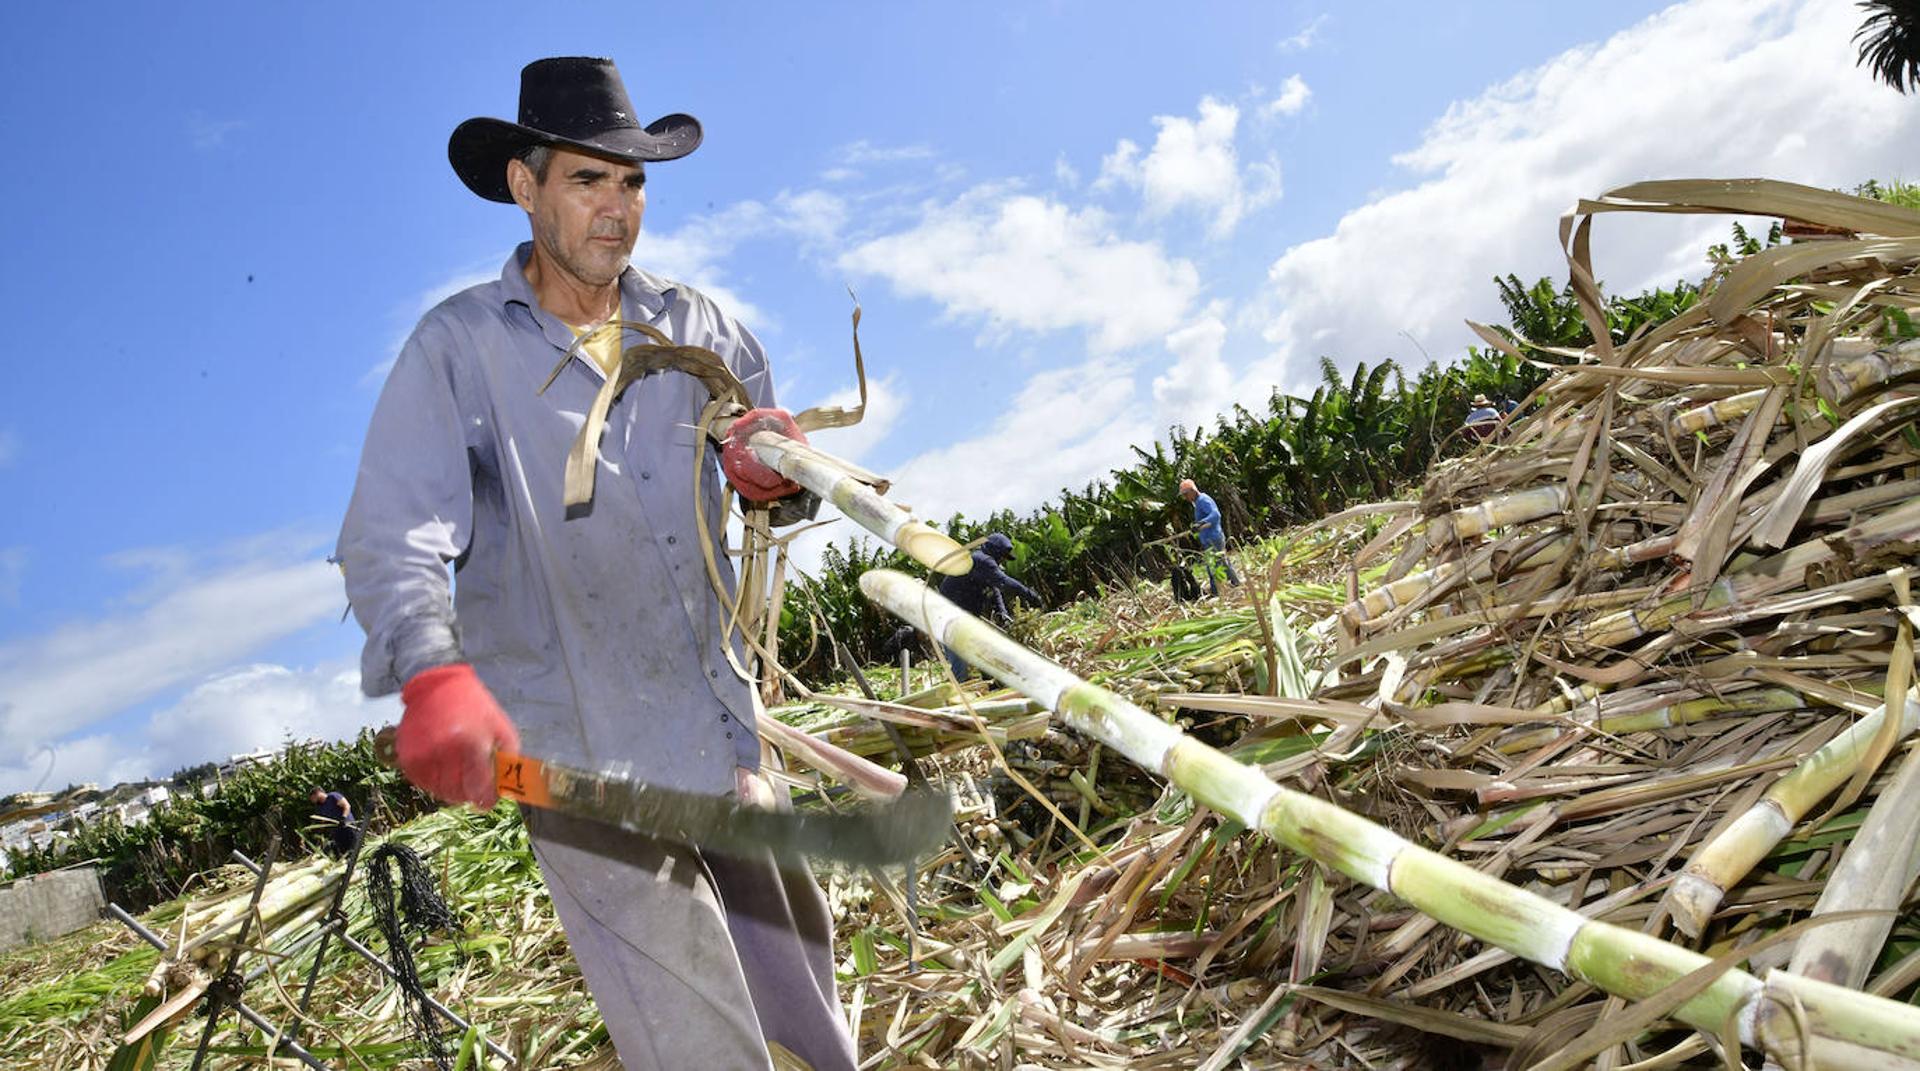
[
  {"x": 1666, "y": 716},
  {"x": 834, "y": 480},
  {"x": 1720, "y": 863},
  {"x": 1623, "y": 962}
]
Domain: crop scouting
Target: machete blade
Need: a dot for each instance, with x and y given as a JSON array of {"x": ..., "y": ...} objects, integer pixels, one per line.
[{"x": 895, "y": 832}]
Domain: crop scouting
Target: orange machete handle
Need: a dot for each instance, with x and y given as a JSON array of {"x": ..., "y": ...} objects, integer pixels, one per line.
[{"x": 521, "y": 779}]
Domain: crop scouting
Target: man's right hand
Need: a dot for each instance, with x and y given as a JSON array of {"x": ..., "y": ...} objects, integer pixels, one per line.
[{"x": 447, "y": 737}]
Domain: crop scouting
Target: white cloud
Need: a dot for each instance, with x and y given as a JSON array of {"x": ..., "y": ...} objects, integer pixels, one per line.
[
  {"x": 1769, "y": 88},
  {"x": 1293, "y": 97},
  {"x": 1064, "y": 428},
  {"x": 238, "y": 710},
  {"x": 810, "y": 215},
  {"x": 1064, "y": 173},
  {"x": 197, "y": 618},
  {"x": 1308, "y": 34},
  {"x": 887, "y": 399},
  {"x": 1014, "y": 261},
  {"x": 695, "y": 254},
  {"x": 1194, "y": 165},
  {"x": 259, "y": 706},
  {"x": 1198, "y": 385}
]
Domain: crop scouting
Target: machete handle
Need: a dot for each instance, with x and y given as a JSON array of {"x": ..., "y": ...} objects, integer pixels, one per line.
[
  {"x": 521, "y": 779},
  {"x": 517, "y": 777}
]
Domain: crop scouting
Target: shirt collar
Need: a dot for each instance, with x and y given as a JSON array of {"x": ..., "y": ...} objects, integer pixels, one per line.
[{"x": 641, "y": 292}]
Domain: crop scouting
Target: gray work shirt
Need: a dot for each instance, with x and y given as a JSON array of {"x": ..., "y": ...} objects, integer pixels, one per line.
[{"x": 600, "y": 633}]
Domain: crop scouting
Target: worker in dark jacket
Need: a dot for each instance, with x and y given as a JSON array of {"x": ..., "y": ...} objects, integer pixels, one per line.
[
  {"x": 333, "y": 812},
  {"x": 978, "y": 592}
]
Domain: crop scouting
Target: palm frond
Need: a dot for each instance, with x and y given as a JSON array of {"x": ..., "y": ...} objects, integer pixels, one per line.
[{"x": 1889, "y": 42}]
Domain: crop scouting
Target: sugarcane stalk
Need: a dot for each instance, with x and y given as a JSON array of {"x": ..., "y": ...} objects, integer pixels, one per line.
[
  {"x": 834, "y": 480},
  {"x": 1398, "y": 593},
  {"x": 1837, "y": 381},
  {"x": 1720, "y": 863},
  {"x": 1666, "y": 716},
  {"x": 867, "y": 778},
  {"x": 1623, "y": 962},
  {"x": 1719, "y": 412},
  {"x": 280, "y": 898},
  {"x": 1633, "y": 623},
  {"x": 1842, "y": 381},
  {"x": 1516, "y": 508},
  {"x": 1873, "y": 874}
]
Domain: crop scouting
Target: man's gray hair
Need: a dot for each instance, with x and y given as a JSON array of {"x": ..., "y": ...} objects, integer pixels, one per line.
[{"x": 537, "y": 158}]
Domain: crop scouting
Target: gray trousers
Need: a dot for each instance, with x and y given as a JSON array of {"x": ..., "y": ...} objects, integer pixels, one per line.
[{"x": 694, "y": 960}]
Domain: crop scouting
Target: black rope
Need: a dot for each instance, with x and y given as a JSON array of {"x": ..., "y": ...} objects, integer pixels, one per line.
[{"x": 421, "y": 909}]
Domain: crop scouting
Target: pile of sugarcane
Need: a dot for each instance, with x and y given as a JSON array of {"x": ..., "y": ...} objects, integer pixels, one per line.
[
  {"x": 1600, "y": 766},
  {"x": 289, "y": 904}
]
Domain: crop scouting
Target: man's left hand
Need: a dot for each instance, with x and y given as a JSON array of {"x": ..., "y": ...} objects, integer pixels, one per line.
[{"x": 755, "y": 481}]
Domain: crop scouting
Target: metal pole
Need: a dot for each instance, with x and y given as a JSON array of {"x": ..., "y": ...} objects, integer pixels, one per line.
[
  {"x": 139, "y": 928},
  {"x": 217, "y": 995},
  {"x": 286, "y": 1043}
]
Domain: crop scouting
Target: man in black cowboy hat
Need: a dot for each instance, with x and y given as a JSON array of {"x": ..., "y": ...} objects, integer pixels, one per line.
[{"x": 598, "y": 628}]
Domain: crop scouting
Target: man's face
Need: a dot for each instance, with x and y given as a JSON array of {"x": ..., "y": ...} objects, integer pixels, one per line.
[
  {"x": 586, "y": 215},
  {"x": 316, "y": 795}
]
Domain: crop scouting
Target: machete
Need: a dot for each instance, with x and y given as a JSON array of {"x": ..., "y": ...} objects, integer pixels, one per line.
[{"x": 912, "y": 825}]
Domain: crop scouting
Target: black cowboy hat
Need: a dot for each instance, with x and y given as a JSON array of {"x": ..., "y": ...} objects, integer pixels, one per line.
[{"x": 574, "y": 102}]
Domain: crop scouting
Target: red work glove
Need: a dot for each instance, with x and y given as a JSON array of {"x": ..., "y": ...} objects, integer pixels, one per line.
[
  {"x": 448, "y": 735},
  {"x": 748, "y": 474}
]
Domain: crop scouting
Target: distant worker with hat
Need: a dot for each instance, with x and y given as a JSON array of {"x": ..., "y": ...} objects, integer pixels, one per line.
[
  {"x": 1213, "y": 535},
  {"x": 1483, "y": 420},
  {"x": 593, "y": 635},
  {"x": 978, "y": 590}
]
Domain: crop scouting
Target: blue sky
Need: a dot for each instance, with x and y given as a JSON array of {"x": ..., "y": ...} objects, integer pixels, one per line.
[{"x": 1070, "y": 225}]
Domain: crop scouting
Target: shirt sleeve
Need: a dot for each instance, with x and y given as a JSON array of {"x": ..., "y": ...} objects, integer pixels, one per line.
[
  {"x": 411, "y": 514},
  {"x": 740, "y": 349},
  {"x": 1004, "y": 581},
  {"x": 1205, "y": 513}
]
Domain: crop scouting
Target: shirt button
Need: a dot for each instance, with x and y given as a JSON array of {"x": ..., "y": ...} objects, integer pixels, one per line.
[
  {"x": 714, "y": 673},
  {"x": 671, "y": 539},
  {"x": 646, "y": 475},
  {"x": 723, "y": 717},
  {"x": 729, "y": 736}
]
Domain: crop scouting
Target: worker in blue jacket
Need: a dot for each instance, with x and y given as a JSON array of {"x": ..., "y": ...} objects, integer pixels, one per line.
[
  {"x": 1213, "y": 535},
  {"x": 979, "y": 591}
]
